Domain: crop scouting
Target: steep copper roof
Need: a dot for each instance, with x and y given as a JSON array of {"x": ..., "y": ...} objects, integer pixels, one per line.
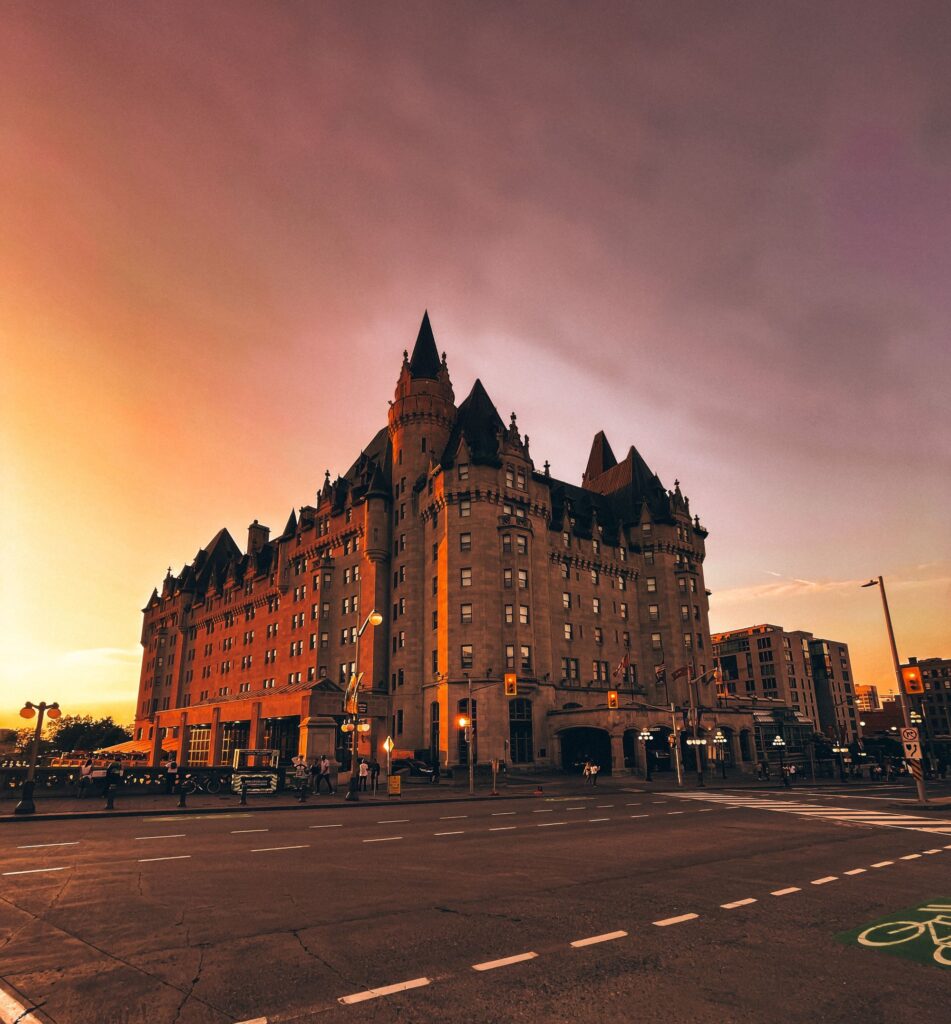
[
  {"x": 478, "y": 422},
  {"x": 424, "y": 361}
]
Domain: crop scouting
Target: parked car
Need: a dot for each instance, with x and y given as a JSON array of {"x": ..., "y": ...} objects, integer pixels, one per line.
[{"x": 411, "y": 766}]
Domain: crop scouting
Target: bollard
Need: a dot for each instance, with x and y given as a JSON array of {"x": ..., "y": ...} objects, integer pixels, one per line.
[
  {"x": 244, "y": 793},
  {"x": 181, "y": 796}
]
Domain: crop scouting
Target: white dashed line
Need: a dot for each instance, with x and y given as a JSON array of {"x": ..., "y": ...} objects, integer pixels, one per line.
[
  {"x": 883, "y": 864},
  {"x": 501, "y": 814},
  {"x": 375, "y": 993},
  {"x": 640, "y": 815},
  {"x": 675, "y": 812},
  {"x": 599, "y": 819},
  {"x": 910, "y": 856},
  {"x": 930, "y": 851},
  {"x": 503, "y": 828},
  {"x": 178, "y": 835},
  {"x": 738, "y": 903},
  {"x": 490, "y": 965},
  {"x": 704, "y": 810},
  {"x": 33, "y": 871},
  {"x": 385, "y": 839},
  {"x": 270, "y": 849},
  {"x": 244, "y": 831},
  {"x": 393, "y": 821},
  {"x": 594, "y": 939},
  {"x": 601, "y": 807},
  {"x": 150, "y": 860},
  {"x": 453, "y": 817},
  {"x": 825, "y": 880},
  {"x": 675, "y": 920},
  {"x": 549, "y": 824},
  {"x": 637, "y": 803},
  {"x": 547, "y": 810},
  {"x": 576, "y": 808},
  {"x": 785, "y": 892},
  {"x": 448, "y": 833},
  {"x": 855, "y": 871},
  {"x": 333, "y": 826},
  {"x": 39, "y": 846}
]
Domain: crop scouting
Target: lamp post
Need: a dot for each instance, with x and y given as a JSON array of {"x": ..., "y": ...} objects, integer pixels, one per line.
[
  {"x": 839, "y": 750},
  {"x": 902, "y": 696},
  {"x": 720, "y": 740},
  {"x": 696, "y": 742},
  {"x": 780, "y": 744},
  {"x": 29, "y": 710},
  {"x": 357, "y": 726},
  {"x": 645, "y": 737}
]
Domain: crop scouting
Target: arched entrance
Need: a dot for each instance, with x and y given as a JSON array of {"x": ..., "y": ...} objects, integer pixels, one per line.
[
  {"x": 659, "y": 749},
  {"x": 521, "y": 741},
  {"x": 583, "y": 744},
  {"x": 690, "y": 754},
  {"x": 746, "y": 746}
]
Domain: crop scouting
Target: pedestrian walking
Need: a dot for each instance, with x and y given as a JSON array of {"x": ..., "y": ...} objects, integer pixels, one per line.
[
  {"x": 586, "y": 772},
  {"x": 171, "y": 772},
  {"x": 315, "y": 775},
  {"x": 325, "y": 775},
  {"x": 85, "y": 777},
  {"x": 364, "y": 773},
  {"x": 300, "y": 772},
  {"x": 374, "y": 775},
  {"x": 595, "y": 768}
]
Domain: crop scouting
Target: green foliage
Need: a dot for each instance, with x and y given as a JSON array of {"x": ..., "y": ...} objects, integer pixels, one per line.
[{"x": 83, "y": 732}]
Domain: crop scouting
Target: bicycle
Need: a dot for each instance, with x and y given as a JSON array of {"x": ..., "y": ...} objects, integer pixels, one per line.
[
  {"x": 210, "y": 784},
  {"x": 893, "y": 933}
]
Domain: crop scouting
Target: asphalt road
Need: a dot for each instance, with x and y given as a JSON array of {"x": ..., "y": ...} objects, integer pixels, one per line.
[{"x": 620, "y": 905}]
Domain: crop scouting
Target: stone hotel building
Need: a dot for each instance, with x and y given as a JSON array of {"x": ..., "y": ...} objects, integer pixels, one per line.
[{"x": 481, "y": 563}]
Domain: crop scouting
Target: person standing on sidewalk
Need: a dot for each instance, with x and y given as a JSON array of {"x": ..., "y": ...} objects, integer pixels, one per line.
[
  {"x": 325, "y": 774},
  {"x": 171, "y": 771},
  {"x": 85, "y": 777},
  {"x": 364, "y": 771}
]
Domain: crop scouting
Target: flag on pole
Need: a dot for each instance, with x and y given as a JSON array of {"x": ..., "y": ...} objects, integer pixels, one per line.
[
  {"x": 622, "y": 667},
  {"x": 680, "y": 672},
  {"x": 660, "y": 674}
]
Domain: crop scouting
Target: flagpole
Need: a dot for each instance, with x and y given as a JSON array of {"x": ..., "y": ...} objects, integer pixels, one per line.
[{"x": 676, "y": 738}]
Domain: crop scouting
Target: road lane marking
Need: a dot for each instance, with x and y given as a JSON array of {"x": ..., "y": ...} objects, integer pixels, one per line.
[
  {"x": 548, "y": 824},
  {"x": 243, "y": 831},
  {"x": 825, "y": 880},
  {"x": 547, "y": 810},
  {"x": 738, "y": 903},
  {"x": 675, "y": 920},
  {"x": 640, "y": 815},
  {"x": 930, "y": 851},
  {"x": 177, "y": 835},
  {"x": 675, "y": 812},
  {"x": 576, "y": 808},
  {"x": 269, "y": 849},
  {"x": 150, "y": 860},
  {"x": 601, "y": 807},
  {"x": 10, "y": 1009},
  {"x": 704, "y": 810},
  {"x": 785, "y": 892},
  {"x": 856, "y": 871},
  {"x": 500, "y": 814},
  {"x": 637, "y": 803},
  {"x": 387, "y": 990},
  {"x": 883, "y": 864},
  {"x": 38, "y": 846},
  {"x": 910, "y": 856},
  {"x": 503, "y": 828},
  {"x": 33, "y": 871},
  {"x": 330, "y": 826},
  {"x": 448, "y": 833},
  {"x": 453, "y": 817},
  {"x": 393, "y": 821},
  {"x": 599, "y": 819},
  {"x": 490, "y": 965},
  {"x": 385, "y": 839},
  {"x": 592, "y": 940}
]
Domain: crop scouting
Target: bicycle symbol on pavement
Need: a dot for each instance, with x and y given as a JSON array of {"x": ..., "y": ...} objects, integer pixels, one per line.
[{"x": 919, "y": 933}]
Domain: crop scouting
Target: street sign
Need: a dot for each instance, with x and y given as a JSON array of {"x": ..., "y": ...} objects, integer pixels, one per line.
[
  {"x": 909, "y": 735},
  {"x": 388, "y": 744},
  {"x": 362, "y": 707},
  {"x": 912, "y": 751}
]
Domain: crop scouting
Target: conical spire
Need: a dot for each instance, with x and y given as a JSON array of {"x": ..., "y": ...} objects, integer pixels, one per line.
[
  {"x": 291, "y": 527},
  {"x": 600, "y": 459},
  {"x": 424, "y": 361}
]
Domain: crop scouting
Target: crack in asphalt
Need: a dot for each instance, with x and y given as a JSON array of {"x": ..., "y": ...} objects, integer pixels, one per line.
[
  {"x": 316, "y": 956},
  {"x": 191, "y": 987}
]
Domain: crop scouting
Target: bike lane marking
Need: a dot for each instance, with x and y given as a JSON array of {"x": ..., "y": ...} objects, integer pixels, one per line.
[{"x": 921, "y": 933}]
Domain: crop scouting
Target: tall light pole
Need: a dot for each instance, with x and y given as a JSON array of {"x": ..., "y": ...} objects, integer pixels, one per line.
[
  {"x": 780, "y": 744},
  {"x": 373, "y": 619},
  {"x": 720, "y": 740},
  {"x": 29, "y": 710},
  {"x": 902, "y": 697},
  {"x": 645, "y": 737}
]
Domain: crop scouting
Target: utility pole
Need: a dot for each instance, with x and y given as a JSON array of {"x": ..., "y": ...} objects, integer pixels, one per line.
[{"x": 902, "y": 696}]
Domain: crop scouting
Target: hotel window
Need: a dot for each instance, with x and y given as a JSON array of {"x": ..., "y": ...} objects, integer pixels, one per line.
[
  {"x": 523, "y": 579},
  {"x": 399, "y": 677},
  {"x": 402, "y": 638},
  {"x": 313, "y": 611},
  {"x": 509, "y": 614},
  {"x": 651, "y": 584},
  {"x": 435, "y": 585},
  {"x": 596, "y": 546},
  {"x": 653, "y": 612},
  {"x": 313, "y": 641},
  {"x": 435, "y": 619},
  {"x": 598, "y": 635},
  {"x": 657, "y": 643},
  {"x": 523, "y": 614},
  {"x": 596, "y": 605},
  {"x": 435, "y": 663},
  {"x": 520, "y": 479},
  {"x": 569, "y": 631},
  {"x": 622, "y": 553},
  {"x": 507, "y": 579},
  {"x": 510, "y": 655},
  {"x": 570, "y": 669},
  {"x": 399, "y": 714},
  {"x": 566, "y": 601},
  {"x": 623, "y": 610},
  {"x": 684, "y": 613},
  {"x": 565, "y": 571},
  {"x": 465, "y": 577},
  {"x": 436, "y": 552},
  {"x": 465, "y": 614},
  {"x": 566, "y": 540},
  {"x": 521, "y": 544},
  {"x": 599, "y": 671},
  {"x": 648, "y": 556},
  {"x": 463, "y": 470},
  {"x": 682, "y": 585},
  {"x": 244, "y": 688},
  {"x": 466, "y": 655},
  {"x": 465, "y": 541},
  {"x": 595, "y": 577},
  {"x": 526, "y": 653},
  {"x": 688, "y": 639},
  {"x": 465, "y": 508},
  {"x": 509, "y": 476},
  {"x": 506, "y": 543},
  {"x": 645, "y": 527},
  {"x": 626, "y": 639}
]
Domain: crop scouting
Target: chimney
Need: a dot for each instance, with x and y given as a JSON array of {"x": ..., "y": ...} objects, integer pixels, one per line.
[{"x": 257, "y": 537}]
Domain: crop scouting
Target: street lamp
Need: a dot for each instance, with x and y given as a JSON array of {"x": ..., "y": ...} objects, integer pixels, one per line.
[
  {"x": 696, "y": 742},
  {"x": 780, "y": 744},
  {"x": 29, "y": 710},
  {"x": 356, "y": 727},
  {"x": 720, "y": 740},
  {"x": 468, "y": 724},
  {"x": 645, "y": 737},
  {"x": 902, "y": 697}
]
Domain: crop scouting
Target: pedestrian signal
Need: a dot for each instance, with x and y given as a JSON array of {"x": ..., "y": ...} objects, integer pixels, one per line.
[
  {"x": 612, "y": 699},
  {"x": 911, "y": 677},
  {"x": 511, "y": 684}
]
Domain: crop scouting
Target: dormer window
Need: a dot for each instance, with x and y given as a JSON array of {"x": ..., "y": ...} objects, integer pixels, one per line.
[{"x": 463, "y": 470}]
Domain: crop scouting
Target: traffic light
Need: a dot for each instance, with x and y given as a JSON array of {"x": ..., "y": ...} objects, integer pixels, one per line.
[
  {"x": 612, "y": 699},
  {"x": 511, "y": 684},
  {"x": 911, "y": 677}
]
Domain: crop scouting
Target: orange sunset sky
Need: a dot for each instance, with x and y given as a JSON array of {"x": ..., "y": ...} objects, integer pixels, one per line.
[{"x": 708, "y": 229}]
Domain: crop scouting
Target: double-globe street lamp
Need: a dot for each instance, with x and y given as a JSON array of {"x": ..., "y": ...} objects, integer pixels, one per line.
[
  {"x": 780, "y": 744},
  {"x": 720, "y": 740},
  {"x": 352, "y": 708},
  {"x": 697, "y": 743},
  {"x": 30, "y": 710},
  {"x": 645, "y": 737}
]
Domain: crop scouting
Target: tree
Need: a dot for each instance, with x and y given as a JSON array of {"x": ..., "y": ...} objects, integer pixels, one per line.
[{"x": 83, "y": 732}]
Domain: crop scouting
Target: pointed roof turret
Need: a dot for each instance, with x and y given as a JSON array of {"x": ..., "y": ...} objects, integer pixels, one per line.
[
  {"x": 477, "y": 421},
  {"x": 601, "y": 458},
  {"x": 291, "y": 528},
  {"x": 425, "y": 361}
]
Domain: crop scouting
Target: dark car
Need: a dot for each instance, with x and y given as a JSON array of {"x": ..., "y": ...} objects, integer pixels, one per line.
[{"x": 411, "y": 766}]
